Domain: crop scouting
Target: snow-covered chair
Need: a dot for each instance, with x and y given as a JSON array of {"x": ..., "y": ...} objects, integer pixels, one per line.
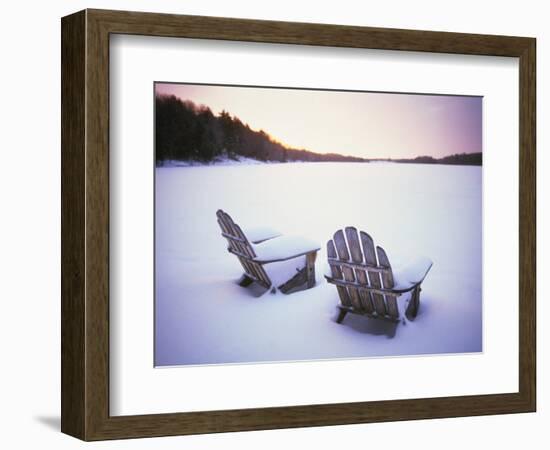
[
  {"x": 364, "y": 278},
  {"x": 256, "y": 247}
]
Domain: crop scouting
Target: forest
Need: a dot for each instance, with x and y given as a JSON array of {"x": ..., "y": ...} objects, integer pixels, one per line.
[{"x": 189, "y": 132}]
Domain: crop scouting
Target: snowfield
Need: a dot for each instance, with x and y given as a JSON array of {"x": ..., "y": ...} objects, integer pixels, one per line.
[
  {"x": 220, "y": 161},
  {"x": 203, "y": 317}
]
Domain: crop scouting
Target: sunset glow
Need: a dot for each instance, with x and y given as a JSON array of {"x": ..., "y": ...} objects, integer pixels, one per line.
[{"x": 364, "y": 124}]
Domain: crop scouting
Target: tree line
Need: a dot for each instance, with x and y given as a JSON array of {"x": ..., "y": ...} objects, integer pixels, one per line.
[
  {"x": 461, "y": 159},
  {"x": 185, "y": 131}
]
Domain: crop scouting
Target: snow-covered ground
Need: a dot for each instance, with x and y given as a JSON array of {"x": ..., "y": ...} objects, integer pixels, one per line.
[
  {"x": 220, "y": 161},
  {"x": 203, "y": 317}
]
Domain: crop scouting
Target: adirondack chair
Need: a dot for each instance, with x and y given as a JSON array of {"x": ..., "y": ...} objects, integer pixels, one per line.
[
  {"x": 365, "y": 281},
  {"x": 257, "y": 247}
]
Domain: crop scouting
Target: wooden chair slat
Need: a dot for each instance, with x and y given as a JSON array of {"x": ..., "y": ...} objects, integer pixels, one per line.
[
  {"x": 387, "y": 281},
  {"x": 246, "y": 268},
  {"x": 249, "y": 268},
  {"x": 336, "y": 272},
  {"x": 233, "y": 245},
  {"x": 261, "y": 274},
  {"x": 360, "y": 275},
  {"x": 228, "y": 223},
  {"x": 349, "y": 274},
  {"x": 387, "y": 276},
  {"x": 391, "y": 306},
  {"x": 228, "y": 227},
  {"x": 331, "y": 253},
  {"x": 240, "y": 242},
  {"x": 341, "y": 247},
  {"x": 247, "y": 246},
  {"x": 368, "y": 249},
  {"x": 223, "y": 227},
  {"x": 354, "y": 245},
  {"x": 374, "y": 277}
]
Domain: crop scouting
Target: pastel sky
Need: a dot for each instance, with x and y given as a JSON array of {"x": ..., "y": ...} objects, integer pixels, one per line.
[{"x": 365, "y": 124}]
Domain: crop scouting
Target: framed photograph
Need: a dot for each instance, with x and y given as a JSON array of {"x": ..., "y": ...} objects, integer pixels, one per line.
[{"x": 271, "y": 224}]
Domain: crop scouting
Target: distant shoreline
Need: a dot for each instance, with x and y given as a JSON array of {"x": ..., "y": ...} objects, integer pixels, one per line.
[{"x": 251, "y": 161}]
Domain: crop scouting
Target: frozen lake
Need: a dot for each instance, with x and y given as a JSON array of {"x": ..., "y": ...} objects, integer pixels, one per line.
[{"x": 203, "y": 317}]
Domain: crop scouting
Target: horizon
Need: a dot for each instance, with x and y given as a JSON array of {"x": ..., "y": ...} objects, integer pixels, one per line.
[{"x": 405, "y": 125}]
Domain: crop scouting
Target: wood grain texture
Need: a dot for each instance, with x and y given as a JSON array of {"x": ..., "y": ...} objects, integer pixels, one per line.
[
  {"x": 85, "y": 224},
  {"x": 268, "y": 31},
  {"x": 360, "y": 273},
  {"x": 387, "y": 282},
  {"x": 72, "y": 224},
  {"x": 527, "y": 224},
  {"x": 378, "y": 297},
  {"x": 374, "y": 276},
  {"x": 336, "y": 272}
]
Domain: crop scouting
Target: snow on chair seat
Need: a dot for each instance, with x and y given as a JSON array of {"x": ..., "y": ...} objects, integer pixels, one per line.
[
  {"x": 407, "y": 277},
  {"x": 364, "y": 278},
  {"x": 260, "y": 234},
  {"x": 265, "y": 247},
  {"x": 283, "y": 248}
]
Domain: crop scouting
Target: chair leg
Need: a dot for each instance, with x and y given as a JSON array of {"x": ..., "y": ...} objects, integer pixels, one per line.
[
  {"x": 341, "y": 316},
  {"x": 310, "y": 269},
  {"x": 245, "y": 280},
  {"x": 296, "y": 281},
  {"x": 414, "y": 303}
]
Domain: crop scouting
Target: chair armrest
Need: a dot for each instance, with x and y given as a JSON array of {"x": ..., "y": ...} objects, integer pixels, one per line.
[
  {"x": 260, "y": 234},
  {"x": 405, "y": 279},
  {"x": 283, "y": 248},
  {"x": 412, "y": 275}
]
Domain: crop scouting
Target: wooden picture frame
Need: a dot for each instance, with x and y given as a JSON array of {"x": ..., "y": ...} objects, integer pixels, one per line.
[{"x": 85, "y": 224}]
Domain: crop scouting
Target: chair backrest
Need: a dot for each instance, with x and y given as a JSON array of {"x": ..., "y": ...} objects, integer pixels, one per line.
[
  {"x": 238, "y": 242},
  {"x": 240, "y": 246},
  {"x": 362, "y": 273}
]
